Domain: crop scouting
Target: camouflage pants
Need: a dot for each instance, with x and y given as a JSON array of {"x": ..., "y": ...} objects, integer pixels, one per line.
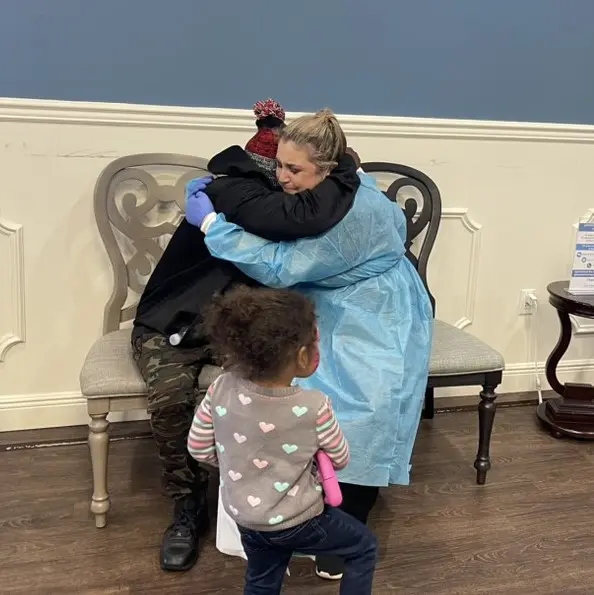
[{"x": 171, "y": 376}]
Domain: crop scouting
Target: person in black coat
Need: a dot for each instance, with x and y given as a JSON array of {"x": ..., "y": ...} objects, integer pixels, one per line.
[{"x": 168, "y": 343}]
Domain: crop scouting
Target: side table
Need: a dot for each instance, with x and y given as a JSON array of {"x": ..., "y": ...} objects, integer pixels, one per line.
[{"x": 572, "y": 413}]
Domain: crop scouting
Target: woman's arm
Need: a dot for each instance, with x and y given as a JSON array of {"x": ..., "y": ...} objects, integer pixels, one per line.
[{"x": 275, "y": 264}]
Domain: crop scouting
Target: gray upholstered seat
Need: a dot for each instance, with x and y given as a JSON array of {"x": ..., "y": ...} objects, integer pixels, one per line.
[
  {"x": 456, "y": 352},
  {"x": 109, "y": 369}
]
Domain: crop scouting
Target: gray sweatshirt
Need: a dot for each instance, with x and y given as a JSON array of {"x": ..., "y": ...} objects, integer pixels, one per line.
[{"x": 264, "y": 441}]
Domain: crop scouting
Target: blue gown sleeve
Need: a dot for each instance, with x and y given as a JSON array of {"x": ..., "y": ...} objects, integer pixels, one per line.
[
  {"x": 350, "y": 250},
  {"x": 274, "y": 264}
]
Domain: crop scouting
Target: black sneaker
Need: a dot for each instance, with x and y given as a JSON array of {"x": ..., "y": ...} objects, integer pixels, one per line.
[
  {"x": 179, "y": 548},
  {"x": 330, "y": 568}
]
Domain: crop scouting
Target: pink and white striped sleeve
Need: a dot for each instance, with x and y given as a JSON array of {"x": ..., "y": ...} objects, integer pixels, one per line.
[
  {"x": 201, "y": 439},
  {"x": 330, "y": 437}
]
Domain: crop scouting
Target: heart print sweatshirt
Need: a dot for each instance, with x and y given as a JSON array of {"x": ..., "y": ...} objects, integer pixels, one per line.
[{"x": 264, "y": 442}]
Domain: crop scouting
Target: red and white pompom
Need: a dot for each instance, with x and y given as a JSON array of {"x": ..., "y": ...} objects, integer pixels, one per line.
[{"x": 269, "y": 107}]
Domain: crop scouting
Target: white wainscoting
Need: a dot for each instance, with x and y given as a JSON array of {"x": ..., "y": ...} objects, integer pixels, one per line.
[{"x": 511, "y": 192}]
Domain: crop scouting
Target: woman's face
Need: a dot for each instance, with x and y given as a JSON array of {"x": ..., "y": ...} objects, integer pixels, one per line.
[{"x": 294, "y": 170}]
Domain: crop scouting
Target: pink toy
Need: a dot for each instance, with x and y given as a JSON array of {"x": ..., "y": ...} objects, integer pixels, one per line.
[{"x": 332, "y": 493}]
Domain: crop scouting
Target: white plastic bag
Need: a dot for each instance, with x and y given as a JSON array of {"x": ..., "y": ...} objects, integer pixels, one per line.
[{"x": 228, "y": 538}]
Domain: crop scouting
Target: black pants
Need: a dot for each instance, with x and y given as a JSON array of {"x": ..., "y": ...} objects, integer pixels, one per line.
[
  {"x": 358, "y": 500},
  {"x": 333, "y": 533}
]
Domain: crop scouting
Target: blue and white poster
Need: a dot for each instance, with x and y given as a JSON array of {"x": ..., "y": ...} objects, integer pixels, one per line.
[{"x": 582, "y": 271}]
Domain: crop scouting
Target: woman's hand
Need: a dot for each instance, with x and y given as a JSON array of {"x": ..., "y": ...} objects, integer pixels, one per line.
[
  {"x": 197, "y": 184},
  {"x": 198, "y": 205}
]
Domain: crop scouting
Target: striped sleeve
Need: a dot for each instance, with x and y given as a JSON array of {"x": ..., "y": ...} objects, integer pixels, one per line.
[
  {"x": 201, "y": 439},
  {"x": 330, "y": 437}
]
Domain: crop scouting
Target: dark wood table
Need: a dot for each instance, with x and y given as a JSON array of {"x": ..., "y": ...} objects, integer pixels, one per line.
[{"x": 572, "y": 413}]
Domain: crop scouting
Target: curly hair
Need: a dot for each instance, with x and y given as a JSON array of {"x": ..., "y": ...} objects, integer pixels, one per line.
[{"x": 259, "y": 331}]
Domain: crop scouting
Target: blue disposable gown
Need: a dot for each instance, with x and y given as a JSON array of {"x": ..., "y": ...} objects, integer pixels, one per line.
[{"x": 375, "y": 324}]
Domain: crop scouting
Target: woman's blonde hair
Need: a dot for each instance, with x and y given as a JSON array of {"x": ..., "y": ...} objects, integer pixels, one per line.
[{"x": 321, "y": 134}]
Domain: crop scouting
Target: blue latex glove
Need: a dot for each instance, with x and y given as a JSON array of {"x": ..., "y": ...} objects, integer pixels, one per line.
[
  {"x": 197, "y": 184},
  {"x": 198, "y": 205}
]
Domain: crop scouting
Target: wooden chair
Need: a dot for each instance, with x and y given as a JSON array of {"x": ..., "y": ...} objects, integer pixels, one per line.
[
  {"x": 139, "y": 201},
  {"x": 457, "y": 357}
]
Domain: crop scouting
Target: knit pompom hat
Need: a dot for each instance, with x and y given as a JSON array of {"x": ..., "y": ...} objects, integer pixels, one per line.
[{"x": 270, "y": 116}]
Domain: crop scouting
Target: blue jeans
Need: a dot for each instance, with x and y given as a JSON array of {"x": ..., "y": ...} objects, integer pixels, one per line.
[{"x": 333, "y": 532}]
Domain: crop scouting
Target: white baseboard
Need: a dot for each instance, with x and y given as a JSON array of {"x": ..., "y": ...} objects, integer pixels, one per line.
[
  {"x": 51, "y": 410},
  {"x": 48, "y": 410},
  {"x": 521, "y": 377}
]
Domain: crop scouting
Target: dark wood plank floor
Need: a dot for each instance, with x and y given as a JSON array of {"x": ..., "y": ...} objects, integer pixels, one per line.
[{"x": 529, "y": 530}]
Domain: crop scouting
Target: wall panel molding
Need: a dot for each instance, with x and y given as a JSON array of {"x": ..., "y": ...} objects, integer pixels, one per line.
[
  {"x": 11, "y": 236},
  {"x": 474, "y": 229},
  {"x": 117, "y": 114}
]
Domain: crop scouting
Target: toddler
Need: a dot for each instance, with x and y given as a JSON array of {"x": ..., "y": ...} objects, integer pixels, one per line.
[{"x": 263, "y": 432}]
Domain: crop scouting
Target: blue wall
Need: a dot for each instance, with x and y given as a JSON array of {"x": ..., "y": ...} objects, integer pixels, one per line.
[{"x": 530, "y": 60}]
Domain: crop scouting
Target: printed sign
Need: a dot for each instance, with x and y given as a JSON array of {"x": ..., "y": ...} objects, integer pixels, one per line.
[{"x": 582, "y": 271}]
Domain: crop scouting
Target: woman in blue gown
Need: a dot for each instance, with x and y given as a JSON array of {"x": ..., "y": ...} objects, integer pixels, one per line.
[{"x": 375, "y": 317}]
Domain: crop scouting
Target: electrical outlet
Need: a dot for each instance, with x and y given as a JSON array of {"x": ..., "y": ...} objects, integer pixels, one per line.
[{"x": 528, "y": 302}]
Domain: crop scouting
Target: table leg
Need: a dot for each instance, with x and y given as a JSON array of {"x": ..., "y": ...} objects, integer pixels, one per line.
[{"x": 559, "y": 351}]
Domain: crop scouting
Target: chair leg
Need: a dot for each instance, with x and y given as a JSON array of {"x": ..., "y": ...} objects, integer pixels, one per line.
[
  {"x": 99, "y": 447},
  {"x": 429, "y": 410},
  {"x": 486, "y": 411}
]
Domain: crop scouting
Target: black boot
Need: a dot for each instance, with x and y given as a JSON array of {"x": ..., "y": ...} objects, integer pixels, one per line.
[
  {"x": 330, "y": 568},
  {"x": 357, "y": 501},
  {"x": 179, "y": 549}
]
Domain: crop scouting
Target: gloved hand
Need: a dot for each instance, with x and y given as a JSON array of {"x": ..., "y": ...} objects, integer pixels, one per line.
[
  {"x": 198, "y": 205},
  {"x": 197, "y": 184}
]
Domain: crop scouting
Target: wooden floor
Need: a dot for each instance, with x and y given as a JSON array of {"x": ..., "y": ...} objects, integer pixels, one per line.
[{"x": 529, "y": 530}]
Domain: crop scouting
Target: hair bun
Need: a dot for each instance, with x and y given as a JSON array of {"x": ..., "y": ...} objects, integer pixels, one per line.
[
  {"x": 326, "y": 114},
  {"x": 269, "y": 107}
]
